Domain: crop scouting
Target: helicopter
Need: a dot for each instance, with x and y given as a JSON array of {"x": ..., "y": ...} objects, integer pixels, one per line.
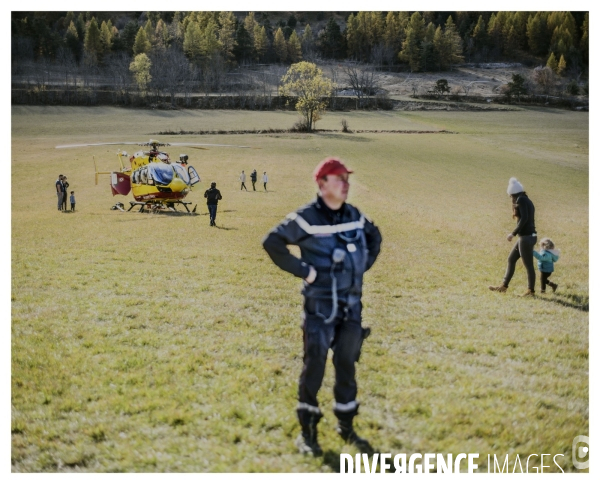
[{"x": 155, "y": 179}]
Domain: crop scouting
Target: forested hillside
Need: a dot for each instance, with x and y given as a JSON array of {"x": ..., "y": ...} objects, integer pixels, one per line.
[{"x": 178, "y": 53}]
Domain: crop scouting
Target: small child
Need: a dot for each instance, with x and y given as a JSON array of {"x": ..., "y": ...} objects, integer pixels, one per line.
[
  {"x": 72, "y": 201},
  {"x": 546, "y": 259}
]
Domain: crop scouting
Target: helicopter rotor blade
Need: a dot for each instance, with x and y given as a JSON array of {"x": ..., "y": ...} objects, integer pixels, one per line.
[
  {"x": 209, "y": 144},
  {"x": 95, "y": 144}
]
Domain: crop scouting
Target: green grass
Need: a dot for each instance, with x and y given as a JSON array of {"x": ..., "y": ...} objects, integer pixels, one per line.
[{"x": 155, "y": 343}]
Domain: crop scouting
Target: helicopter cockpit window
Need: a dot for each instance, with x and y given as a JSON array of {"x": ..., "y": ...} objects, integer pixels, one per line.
[
  {"x": 180, "y": 170},
  {"x": 136, "y": 176},
  {"x": 144, "y": 176},
  {"x": 161, "y": 173}
]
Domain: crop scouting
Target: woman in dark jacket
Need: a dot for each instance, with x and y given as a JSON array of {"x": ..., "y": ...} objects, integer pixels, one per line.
[{"x": 524, "y": 212}]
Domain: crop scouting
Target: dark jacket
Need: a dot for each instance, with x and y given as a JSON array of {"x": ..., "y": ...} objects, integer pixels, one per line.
[
  {"x": 526, "y": 215},
  {"x": 253, "y": 176},
  {"x": 318, "y": 231},
  {"x": 212, "y": 196}
]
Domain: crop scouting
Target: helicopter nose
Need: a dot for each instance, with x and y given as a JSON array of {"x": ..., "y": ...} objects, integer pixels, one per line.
[{"x": 178, "y": 185}]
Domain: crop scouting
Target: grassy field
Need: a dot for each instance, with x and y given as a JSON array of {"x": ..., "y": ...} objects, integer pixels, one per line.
[{"x": 152, "y": 343}]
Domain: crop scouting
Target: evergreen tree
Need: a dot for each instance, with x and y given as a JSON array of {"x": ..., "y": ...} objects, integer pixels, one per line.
[
  {"x": 584, "y": 42},
  {"x": 243, "y": 44},
  {"x": 280, "y": 45},
  {"x": 92, "y": 43},
  {"x": 331, "y": 40},
  {"x": 294, "y": 48},
  {"x": 308, "y": 40},
  {"x": 227, "y": 34},
  {"x": 552, "y": 62},
  {"x": 562, "y": 65},
  {"x": 72, "y": 40},
  {"x": 150, "y": 29},
  {"x": 537, "y": 33},
  {"x": 249, "y": 24},
  {"x": 261, "y": 41},
  {"x": 105, "y": 37},
  {"x": 80, "y": 26},
  {"x": 209, "y": 44},
  {"x": 141, "y": 44},
  {"x": 129, "y": 34},
  {"x": 411, "y": 47},
  {"x": 192, "y": 41},
  {"x": 479, "y": 34}
]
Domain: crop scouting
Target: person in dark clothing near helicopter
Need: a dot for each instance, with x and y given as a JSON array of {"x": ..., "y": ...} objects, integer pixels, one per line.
[
  {"x": 64, "y": 201},
  {"x": 524, "y": 211},
  {"x": 338, "y": 244},
  {"x": 212, "y": 196},
  {"x": 60, "y": 191},
  {"x": 253, "y": 178}
]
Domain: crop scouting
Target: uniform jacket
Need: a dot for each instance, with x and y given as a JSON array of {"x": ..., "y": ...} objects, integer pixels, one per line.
[
  {"x": 546, "y": 259},
  {"x": 318, "y": 231},
  {"x": 253, "y": 176}
]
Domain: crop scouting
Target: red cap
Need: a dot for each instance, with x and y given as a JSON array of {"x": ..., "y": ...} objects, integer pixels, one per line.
[{"x": 330, "y": 166}]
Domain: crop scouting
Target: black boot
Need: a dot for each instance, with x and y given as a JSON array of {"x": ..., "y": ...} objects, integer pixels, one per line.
[
  {"x": 307, "y": 442},
  {"x": 346, "y": 432}
]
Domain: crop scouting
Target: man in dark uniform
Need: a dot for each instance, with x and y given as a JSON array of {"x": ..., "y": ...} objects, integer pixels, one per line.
[
  {"x": 253, "y": 177},
  {"x": 338, "y": 245},
  {"x": 212, "y": 196}
]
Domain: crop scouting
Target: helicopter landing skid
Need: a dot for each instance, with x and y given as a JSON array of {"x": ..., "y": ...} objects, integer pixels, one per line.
[{"x": 154, "y": 207}]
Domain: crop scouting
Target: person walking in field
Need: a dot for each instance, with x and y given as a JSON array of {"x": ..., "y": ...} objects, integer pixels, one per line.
[
  {"x": 212, "y": 196},
  {"x": 60, "y": 189},
  {"x": 524, "y": 211},
  {"x": 253, "y": 178},
  {"x": 243, "y": 180},
  {"x": 546, "y": 258},
  {"x": 72, "y": 200},
  {"x": 338, "y": 244},
  {"x": 265, "y": 179}
]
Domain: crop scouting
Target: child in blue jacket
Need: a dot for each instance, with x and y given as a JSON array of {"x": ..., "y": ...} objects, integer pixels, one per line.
[{"x": 546, "y": 259}]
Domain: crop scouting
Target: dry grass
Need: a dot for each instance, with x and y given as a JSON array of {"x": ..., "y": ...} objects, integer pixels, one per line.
[{"x": 156, "y": 343}]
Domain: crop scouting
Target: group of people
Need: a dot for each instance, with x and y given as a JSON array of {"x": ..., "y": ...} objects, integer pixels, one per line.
[
  {"x": 338, "y": 244},
  {"x": 61, "y": 193},
  {"x": 253, "y": 179}
]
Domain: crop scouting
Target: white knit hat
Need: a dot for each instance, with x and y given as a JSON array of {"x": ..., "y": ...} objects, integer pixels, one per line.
[{"x": 514, "y": 186}]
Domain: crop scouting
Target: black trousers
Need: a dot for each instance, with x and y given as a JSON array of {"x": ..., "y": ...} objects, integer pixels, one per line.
[
  {"x": 243, "y": 186},
  {"x": 544, "y": 279},
  {"x": 523, "y": 249},
  {"x": 345, "y": 336}
]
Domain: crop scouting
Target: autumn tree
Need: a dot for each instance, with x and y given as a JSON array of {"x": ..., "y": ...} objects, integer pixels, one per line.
[
  {"x": 141, "y": 70},
  {"x": 552, "y": 62},
  {"x": 227, "y": 35},
  {"x": 307, "y": 82}
]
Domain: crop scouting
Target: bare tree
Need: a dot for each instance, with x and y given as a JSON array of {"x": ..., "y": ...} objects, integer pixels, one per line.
[
  {"x": 544, "y": 78},
  {"x": 364, "y": 81}
]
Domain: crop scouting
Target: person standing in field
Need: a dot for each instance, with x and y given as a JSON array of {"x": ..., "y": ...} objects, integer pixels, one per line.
[
  {"x": 546, "y": 258},
  {"x": 60, "y": 189},
  {"x": 265, "y": 179},
  {"x": 212, "y": 196},
  {"x": 243, "y": 180},
  {"x": 66, "y": 186},
  {"x": 72, "y": 201},
  {"x": 338, "y": 244},
  {"x": 524, "y": 211},
  {"x": 253, "y": 177}
]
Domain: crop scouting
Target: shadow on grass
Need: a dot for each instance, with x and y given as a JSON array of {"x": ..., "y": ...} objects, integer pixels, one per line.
[
  {"x": 225, "y": 228},
  {"x": 332, "y": 460},
  {"x": 226, "y": 211},
  {"x": 570, "y": 300}
]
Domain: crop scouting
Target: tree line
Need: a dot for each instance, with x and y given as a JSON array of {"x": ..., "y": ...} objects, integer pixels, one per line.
[{"x": 419, "y": 41}]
